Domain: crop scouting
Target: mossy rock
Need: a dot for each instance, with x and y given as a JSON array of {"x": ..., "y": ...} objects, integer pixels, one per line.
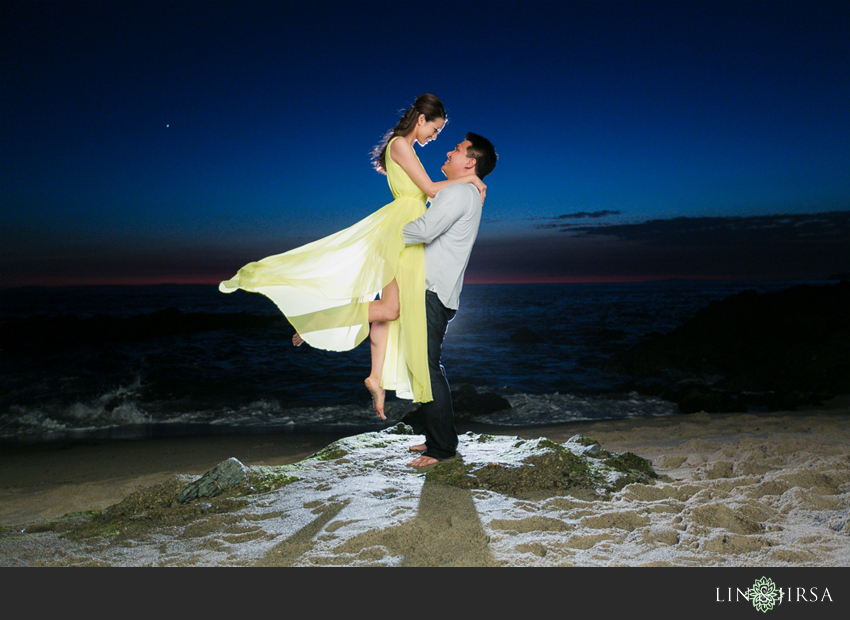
[
  {"x": 628, "y": 462},
  {"x": 264, "y": 479},
  {"x": 158, "y": 506},
  {"x": 343, "y": 447},
  {"x": 543, "y": 467},
  {"x": 331, "y": 453},
  {"x": 399, "y": 429}
]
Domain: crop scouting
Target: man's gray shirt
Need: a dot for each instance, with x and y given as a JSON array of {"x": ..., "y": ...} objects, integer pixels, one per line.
[{"x": 448, "y": 228}]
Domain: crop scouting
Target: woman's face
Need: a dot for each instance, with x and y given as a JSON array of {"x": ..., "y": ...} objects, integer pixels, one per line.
[{"x": 428, "y": 130}]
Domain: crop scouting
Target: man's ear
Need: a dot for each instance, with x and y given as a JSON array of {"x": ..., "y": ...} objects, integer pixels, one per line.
[{"x": 470, "y": 163}]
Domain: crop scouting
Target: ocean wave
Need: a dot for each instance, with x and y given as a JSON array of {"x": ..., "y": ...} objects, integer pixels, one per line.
[
  {"x": 537, "y": 409},
  {"x": 105, "y": 416},
  {"x": 111, "y": 362},
  {"x": 117, "y": 407}
]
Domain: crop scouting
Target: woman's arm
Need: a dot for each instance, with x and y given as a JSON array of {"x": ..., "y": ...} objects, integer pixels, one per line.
[{"x": 402, "y": 154}]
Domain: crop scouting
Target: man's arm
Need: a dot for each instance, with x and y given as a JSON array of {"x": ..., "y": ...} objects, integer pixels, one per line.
[{"x": 446, "y": 209}]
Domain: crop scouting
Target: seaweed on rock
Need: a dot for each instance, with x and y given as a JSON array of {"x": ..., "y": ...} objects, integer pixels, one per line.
[{"x": 544, "y": 467}]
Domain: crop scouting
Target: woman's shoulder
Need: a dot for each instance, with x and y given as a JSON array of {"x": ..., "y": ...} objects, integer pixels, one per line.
[
  {"x": 400, "y": 150},
  {"x": 396, "y": 144}
]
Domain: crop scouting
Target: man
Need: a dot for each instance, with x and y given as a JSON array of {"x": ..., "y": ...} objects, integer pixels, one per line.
[{"x": 448, "y": 228}]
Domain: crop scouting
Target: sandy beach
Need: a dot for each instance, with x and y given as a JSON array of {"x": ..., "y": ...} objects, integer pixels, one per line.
[{"x": 766, "y": 489}]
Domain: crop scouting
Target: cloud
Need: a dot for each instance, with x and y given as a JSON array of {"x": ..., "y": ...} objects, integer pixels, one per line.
[
  {"x": 700, "y": 231},
  {"x": 773, "y": 247},
  {"x": 576, "y": 216},
  {"x": 584, "y": 214}
]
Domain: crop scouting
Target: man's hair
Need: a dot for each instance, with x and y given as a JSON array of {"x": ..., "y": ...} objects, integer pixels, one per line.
[{"x": 484, "y": 154}]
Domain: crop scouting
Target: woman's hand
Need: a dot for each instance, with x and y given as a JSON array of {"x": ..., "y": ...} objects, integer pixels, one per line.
[{"x": 482, "y": 189}]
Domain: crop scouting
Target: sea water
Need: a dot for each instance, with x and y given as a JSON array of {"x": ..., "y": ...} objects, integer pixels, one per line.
[{"x": 239, "y": 377}]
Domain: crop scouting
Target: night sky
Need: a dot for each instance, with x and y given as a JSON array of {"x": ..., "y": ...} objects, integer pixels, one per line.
[{"x": 174, "y": 141}]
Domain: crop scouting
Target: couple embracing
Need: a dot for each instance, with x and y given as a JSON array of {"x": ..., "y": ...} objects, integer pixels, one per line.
[{"x": 414, "y": 256}]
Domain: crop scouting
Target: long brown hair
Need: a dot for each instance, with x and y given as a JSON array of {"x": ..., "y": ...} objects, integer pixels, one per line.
[{"x": 426, "y": 104}]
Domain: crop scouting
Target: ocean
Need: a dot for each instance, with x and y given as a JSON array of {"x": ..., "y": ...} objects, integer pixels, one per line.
[{"x": 133, "y": 362}]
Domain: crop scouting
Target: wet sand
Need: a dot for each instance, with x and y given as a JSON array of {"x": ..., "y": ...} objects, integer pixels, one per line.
[{"x": 768, "y": 489}]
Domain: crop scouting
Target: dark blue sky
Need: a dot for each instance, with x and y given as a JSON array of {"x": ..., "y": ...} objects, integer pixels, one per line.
[{"x": 173, "y": 141}]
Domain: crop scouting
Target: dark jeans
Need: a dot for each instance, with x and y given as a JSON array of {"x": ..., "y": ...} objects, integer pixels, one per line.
[{"x": 440, "y": 432}]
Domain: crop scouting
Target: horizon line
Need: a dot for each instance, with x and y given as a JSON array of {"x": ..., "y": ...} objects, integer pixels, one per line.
[{"x": 131, "y": 282}]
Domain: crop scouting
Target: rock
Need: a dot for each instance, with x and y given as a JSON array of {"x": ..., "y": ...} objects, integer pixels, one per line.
[
  {"x": 467, "y": 402},
  {"x": 591, "y": 450},
  {"x": 585, "y": 445},
  {"x": 541, "y": 467},
  {"x": 750, "y": 352},
  {"x": 223, "y": 476},
  {"x": 366, "y": 467}
]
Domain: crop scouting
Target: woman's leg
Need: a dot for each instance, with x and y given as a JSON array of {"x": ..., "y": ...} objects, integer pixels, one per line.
[{"x": 381, "y": 312}]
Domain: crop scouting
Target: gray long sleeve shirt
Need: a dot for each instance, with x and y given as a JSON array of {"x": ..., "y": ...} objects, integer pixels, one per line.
[{"x": 448, "y": 228}]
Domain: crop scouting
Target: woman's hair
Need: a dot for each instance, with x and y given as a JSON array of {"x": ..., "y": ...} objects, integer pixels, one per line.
[{"x": 426, "y": 104}]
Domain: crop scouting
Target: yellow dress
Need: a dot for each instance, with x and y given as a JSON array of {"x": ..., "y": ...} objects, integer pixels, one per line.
[{"x": 324, "y": 288}]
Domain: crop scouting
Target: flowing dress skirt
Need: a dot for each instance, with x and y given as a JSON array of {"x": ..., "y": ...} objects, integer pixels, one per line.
[{"x": 324, "y": 288}]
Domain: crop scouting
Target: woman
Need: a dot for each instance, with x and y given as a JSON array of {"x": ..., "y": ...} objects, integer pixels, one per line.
[{"x": 327, "y": 288}]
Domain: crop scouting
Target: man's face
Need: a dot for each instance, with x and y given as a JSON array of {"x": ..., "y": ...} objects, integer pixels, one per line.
[{"x": 457, "y": 163}]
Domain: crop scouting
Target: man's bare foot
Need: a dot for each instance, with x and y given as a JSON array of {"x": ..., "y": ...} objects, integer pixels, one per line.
[
  {"x": 423, "y": 461},
  {"x": 297, "y": 340},
  {"x": 418, "y": 448},
  {"x": 378, "y": 395}
]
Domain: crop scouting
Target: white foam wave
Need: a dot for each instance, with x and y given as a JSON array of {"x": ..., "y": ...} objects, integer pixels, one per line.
[
  {"x": 119, "y": 410},
  {"x": 532, "y": 409}
]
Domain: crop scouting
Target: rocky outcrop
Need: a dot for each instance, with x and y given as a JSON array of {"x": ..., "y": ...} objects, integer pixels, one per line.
[
  {"x": 521, "y": 468},
  {"x": 467, "y": 402},
  {"x": 751, "y": 351},
  {"x": 226, "y": 475},
  {"x": 366, "y": 467},
  {"x": 541, "y": 467}
]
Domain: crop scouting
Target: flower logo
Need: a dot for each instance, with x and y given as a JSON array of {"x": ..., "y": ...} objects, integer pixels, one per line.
[{"x": 764, "y": 594}]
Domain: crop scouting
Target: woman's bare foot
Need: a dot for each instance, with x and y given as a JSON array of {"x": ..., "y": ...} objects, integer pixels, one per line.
[
  {"x": 378, "y": 395},
  {"x": 418, "y": 448},
  {"x": 423, "y": 461},
  {"x": 297, "y": 340}
]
